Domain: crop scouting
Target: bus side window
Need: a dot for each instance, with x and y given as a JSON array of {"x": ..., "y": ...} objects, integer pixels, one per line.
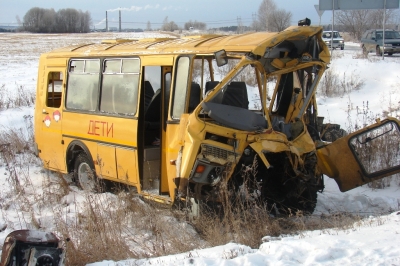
[
  {"x": 54, "y": 89},
  {"x": 120, "y": 86},
  {"x": 83, "y": 82}
]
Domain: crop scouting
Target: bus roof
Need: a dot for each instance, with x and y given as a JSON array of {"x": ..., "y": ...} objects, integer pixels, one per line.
[{"x": 255, "y": 42}]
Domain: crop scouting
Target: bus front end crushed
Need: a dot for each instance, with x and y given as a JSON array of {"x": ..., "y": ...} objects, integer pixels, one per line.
[{"x": 267, "y": 148}]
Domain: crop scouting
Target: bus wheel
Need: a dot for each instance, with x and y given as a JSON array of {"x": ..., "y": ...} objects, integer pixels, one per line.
[{"x": 84, "y": 173}]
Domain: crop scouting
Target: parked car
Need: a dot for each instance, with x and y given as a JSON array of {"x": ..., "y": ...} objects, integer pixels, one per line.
[
  {"x": 372, "y": 40},
  {"x": 338, "y": 41}
]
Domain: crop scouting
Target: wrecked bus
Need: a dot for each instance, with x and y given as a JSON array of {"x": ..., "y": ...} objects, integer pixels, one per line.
[{"x": 178, "y": 119}]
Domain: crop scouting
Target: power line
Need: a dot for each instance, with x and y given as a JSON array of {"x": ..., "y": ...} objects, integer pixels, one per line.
[
  {"x": 8, "y": 23},
  {"x": 210, "y": 22}
]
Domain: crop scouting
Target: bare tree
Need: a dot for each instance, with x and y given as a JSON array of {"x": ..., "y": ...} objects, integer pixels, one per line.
[
  {"x": 172, "y": 26},
  {"x": 169, "y": 25},
  {"x": 84, "y": 22},
  {"x": 165, "y": 25},
  {"x": 270, "y": 18},
  {"x": 20, "y": 24},
  {"x": 195, "y": 24},
  {"x": 376, "y": 17},
  {"x": 266, "y": 9},
  {"x": 47, "y": 25},
  {"x": 356, "y": 22},
  {"x": 48, "y": 20},
  {"x": 71, "y": 19},
  {"x": 33, "y": 19},
  {"x": 148, "y": 26},
  {"x": 279, "y": 20},
  {"x": 39, "y": 20}
]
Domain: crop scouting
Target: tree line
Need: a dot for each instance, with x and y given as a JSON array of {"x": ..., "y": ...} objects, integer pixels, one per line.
[
  {"x": 356, "y": 22},
  {"x": 68, "y": 20},
  {"x": 268, "y": 18}
]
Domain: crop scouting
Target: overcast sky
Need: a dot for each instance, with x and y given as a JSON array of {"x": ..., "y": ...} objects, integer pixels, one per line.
[{"x": 135, "y": 14}]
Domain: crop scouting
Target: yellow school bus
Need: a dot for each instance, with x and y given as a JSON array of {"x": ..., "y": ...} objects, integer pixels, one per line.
[{"x": 179, "y": 119}]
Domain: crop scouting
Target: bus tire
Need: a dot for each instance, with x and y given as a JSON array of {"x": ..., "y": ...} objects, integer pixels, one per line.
[{"x": 85, "y": 174}]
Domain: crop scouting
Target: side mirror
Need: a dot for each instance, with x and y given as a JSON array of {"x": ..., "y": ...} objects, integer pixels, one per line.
[{"x": 221, "y": 57}]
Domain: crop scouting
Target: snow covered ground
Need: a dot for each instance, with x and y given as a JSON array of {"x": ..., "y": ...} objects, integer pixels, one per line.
[
  {"x": 373, "y": 240},
  {"x": 380, "y": 89}
]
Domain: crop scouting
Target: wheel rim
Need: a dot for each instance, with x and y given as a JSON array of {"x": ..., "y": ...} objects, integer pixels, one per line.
[{"x": 86, "y": 177}]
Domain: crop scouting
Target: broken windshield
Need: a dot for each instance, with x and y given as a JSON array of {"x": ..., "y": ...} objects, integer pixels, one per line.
[{"x": 242, "y": 90}]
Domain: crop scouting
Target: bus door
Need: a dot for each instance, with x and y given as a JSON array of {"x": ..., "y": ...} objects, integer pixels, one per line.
[
  {"x": 117, "y": 155},
  {"x": 51, "y": 148},
  {"x": 363, "y": 156},
  {"x": 174, "y": 128},
  {"x": 151, "y": 144},
  {"x": 169, "y": 151}
]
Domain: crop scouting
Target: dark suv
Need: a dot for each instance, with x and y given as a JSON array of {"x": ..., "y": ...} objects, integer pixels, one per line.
[{"x": 372, "y": 40}]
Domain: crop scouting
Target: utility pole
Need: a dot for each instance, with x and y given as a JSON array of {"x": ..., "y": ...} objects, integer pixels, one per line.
[
  {"x": 120, "y": 20},
  {"x": 383, "y": 24},
  {"x": 239, "y": 30},
  {"x": 254, "y": 15},
  {"x": 106, "y": 22},
  {"x": 333, "y": 22}
]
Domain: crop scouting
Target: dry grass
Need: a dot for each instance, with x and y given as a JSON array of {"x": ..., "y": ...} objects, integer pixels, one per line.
[
  {"x": 250, "y": 223},
  {"x": 371, "y": 57},
  {"x": 380, "y": 153},
  {"x": 335, "y": 85},
  {"x": 20, "y": 97},
  {"x": 347, "y": 37},
  {"x": 96, "y": 227},
  {"x": 117, "y": 226}
]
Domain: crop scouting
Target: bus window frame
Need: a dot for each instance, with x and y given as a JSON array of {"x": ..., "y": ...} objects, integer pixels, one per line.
[
  {"x": 100, "y": 80},
  {"x": 103, "y": 73},
  {"x": 176, "y": 72},
  {"x": 67, "y": 90}
]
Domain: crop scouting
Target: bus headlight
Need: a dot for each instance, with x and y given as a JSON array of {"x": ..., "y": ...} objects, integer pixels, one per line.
[{"x": 205, "y": 172}]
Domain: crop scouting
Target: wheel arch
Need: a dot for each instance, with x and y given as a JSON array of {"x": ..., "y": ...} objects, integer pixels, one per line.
[{"x": 73, "y": 149}]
